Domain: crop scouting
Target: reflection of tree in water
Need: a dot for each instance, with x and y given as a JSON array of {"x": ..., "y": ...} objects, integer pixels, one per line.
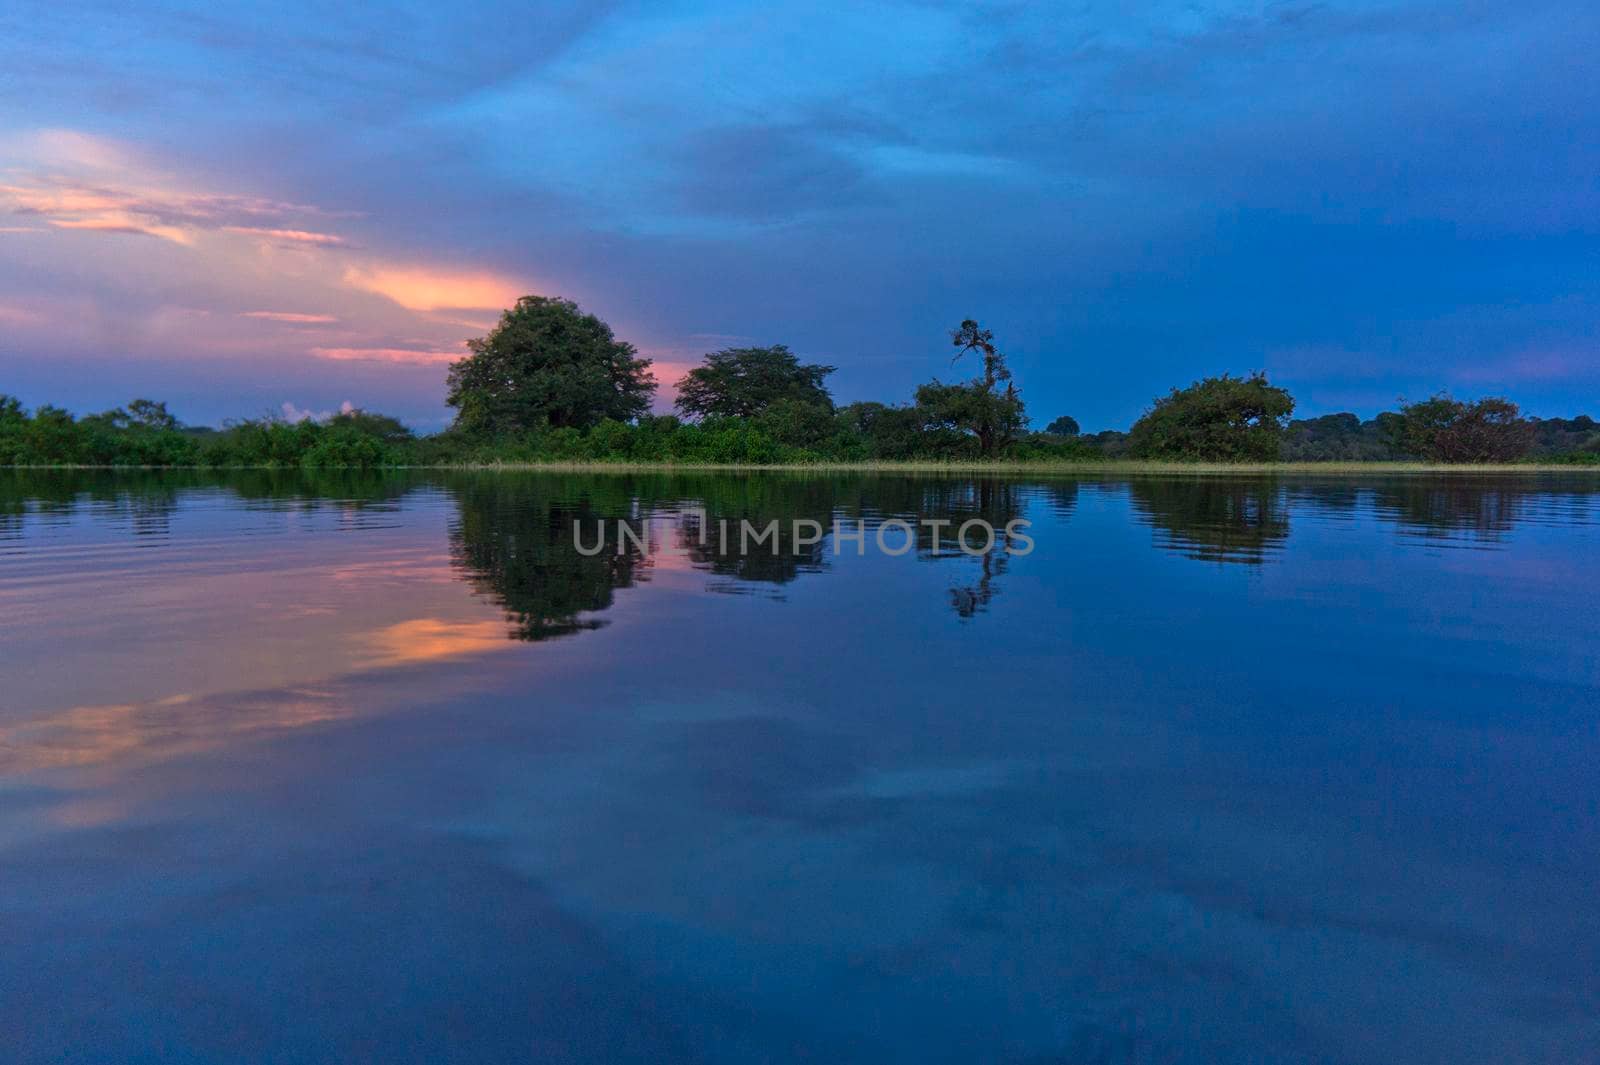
[
  {"x": 1327, "y": 498},
  {"x": 973, "y": 598},
  {"x": 1455, "y": 507},
  {"x": 513, "y": 535},
  {"x": 514, "y": 541},
  {"x": 1214, "y": 519},
  {"x": 726, "y": 501},
  {"x": 953, "y": 503},
  {"x": 1061, "y": 496},
  {"x": 143, "y": 499},
  {"x": 1451, "y": 509},
  {"x": 12, "y": 516},
  {"x": 870, "y": 501}
]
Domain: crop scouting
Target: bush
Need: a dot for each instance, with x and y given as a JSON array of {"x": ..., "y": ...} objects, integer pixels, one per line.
[
  {"x": 1218, "y": 419},
  {"x": 1444, "y": 429},
  {"x": 1066, "y": 425}
]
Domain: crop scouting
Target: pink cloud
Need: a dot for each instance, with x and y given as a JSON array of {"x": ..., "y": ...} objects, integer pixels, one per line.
[
  {"x": 424, "y": 289},
  {"x": 670, "y": 372},
  {"x": 13, "y": 315},
  {"x": 290, "y": 316},
  {"x": 1535, "y": 366},
  {"x": 93, "y": 186},
  {"x": 292, "y": 236},
  {"x": 121, "y": 223},
  {"x": 398, "y": 355}
]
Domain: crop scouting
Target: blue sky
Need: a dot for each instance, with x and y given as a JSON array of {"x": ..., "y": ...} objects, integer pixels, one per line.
[{"x": 293, "y": 206}]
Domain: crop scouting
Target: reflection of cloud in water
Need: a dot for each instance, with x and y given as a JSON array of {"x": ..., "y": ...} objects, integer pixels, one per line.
[
  {"x": 184, "y": 724},
  {"x": 165, "y": 728},
  {"x": 433, "y": 639}
]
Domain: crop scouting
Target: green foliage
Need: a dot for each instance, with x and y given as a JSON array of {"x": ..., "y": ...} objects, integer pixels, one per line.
[
  {"x": 52, "y": 437},
  {"x": 368, "y": 423},
  {"x": 148, "y": 414},
  {"x": 747, "y": 382},
  {"x": 795, "y": 422},
  {"x": 1218, "y": 419},
  {"x": 1066, "y": 425},
  {"x": 1051, "y": 447},
  {"x": 1573, "y": 438},
  {"x": 146, "y": 434},
  {"x": 1444, "y": 429},
  {"x": 347, "y": 446},
  {"x": 13, "y": 426},
  {"x": 1338, "y": 438},
  {"x": 992, "y": 416},
  {"x": 547, "y": 363},
  {"x": 888, "y": 433}
]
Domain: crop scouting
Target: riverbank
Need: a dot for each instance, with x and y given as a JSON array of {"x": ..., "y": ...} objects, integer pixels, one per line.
[{"x": 1107, "y": 466}]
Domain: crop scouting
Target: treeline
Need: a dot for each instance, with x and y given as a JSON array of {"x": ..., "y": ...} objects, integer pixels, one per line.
[
  {"x": 552, "y": 384},
  {"x": 144, "y": 433}
]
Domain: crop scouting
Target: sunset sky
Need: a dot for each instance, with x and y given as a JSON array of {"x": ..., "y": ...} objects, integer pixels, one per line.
[{"x": 288, "y": 207}]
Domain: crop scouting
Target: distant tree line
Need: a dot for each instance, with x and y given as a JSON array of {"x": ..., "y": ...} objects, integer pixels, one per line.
[{"x": 552, "y": 383}]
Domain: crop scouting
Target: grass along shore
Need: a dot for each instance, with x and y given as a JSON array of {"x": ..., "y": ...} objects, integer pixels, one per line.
[{"x": 1014, "y": 466}]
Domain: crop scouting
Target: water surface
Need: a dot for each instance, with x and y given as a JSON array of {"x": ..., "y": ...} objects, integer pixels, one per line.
[{"x": 344, "y": 768}]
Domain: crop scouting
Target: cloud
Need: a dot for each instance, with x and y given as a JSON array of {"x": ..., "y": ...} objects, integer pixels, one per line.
[
  {"x": 1534, "y": 366},
  {"x": 119, "y": 203},
  {"x": 423, "y": 289},
  {"x": 13, "y": 315},
  {"x": 75, "y": 181},
  {"x": 290, "y": 316},
  {"x": 121, "y": 223},
  {"x": 289, "y": 236},
  {"x": 400, "y": 355},
  {"x": 765, "y": 174},
  {"x": 669, "y": 373},
  {"x": 292, "y": 413}
]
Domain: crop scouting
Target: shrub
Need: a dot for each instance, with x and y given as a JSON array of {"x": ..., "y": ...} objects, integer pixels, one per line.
[
  {"x": 1218, "y": 419},
  {"x": 1444, "y": 429}
]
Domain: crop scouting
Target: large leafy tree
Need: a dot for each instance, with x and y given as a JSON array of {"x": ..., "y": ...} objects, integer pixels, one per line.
[
  {"x": 1443, "y": 429},
  {"x": 991, "y": 414},
  {"x": 13, "y": 424},
  {"x": 1066, "y": 425},
  {"x": 548, "y": 364},
  {"x": 151, "y": 414},
  {"x": 1218, "y": 419},
  {"x": 745, "y": 382}
]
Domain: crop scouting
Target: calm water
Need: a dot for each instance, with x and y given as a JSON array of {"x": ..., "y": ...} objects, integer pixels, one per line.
[{"x": 385, "y": 770}]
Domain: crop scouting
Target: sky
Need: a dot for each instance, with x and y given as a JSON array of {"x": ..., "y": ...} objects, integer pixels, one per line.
[{"x": 289, "y": 207}]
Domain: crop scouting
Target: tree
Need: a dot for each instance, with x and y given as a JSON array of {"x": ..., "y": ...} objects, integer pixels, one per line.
[
  {"x": 1218, "y": 419},
  {"x": 1444, "y": 429},
  {"x": 548, "y": 364},
  {"x": 1337, "y": 437},
  {"x": 52, "y": 436},
  {"x": 889, "y": 432},
  {"x": 796, "y": 422},
  {"x": 744, "y": 382},
  {"x": 983, "y": 418},
  {"x": 370, "y": 423},
  {"x": 13, "y": 423},
  {"x": 149, "y": 414},
  {"x": 1066, "y": 425},
  {"x": 991, "y": 415}
]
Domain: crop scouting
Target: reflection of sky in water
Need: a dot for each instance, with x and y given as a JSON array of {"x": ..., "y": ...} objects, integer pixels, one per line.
[{"x": 1219, "y": 772}]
